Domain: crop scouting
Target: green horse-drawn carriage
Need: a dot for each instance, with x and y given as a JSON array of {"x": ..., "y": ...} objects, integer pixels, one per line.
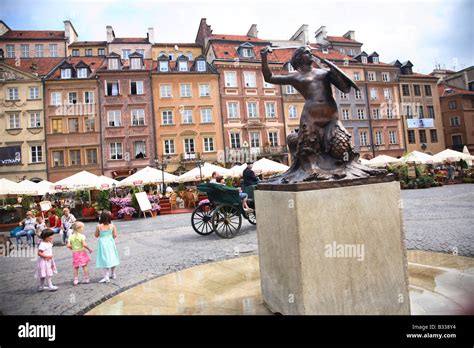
[{"x": 223, "y": 210}]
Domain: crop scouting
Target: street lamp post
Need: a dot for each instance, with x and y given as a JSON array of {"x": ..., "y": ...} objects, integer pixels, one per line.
[
  {"x": 161, "y": 165},
  {"x": 373, "y": 148},
  {"x": 200, "y": 164}
]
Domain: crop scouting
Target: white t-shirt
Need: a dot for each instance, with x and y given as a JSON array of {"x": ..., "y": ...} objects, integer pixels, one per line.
[
  {"x": 68, "y": 221},
  {"x": 46, "y": 248}
]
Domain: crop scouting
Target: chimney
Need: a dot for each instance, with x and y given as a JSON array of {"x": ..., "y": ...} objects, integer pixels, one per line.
[
  {"x": 301, "y": 35},
  {"x": 253, "y": 32},
  {"x": 110, "y": 34},
  {"x": 350, "y": 35},
  {"x": 69, "y": 32},
  {"x": 204, "y": 31},
  {"x": 321, "y": 35},
  {"x": 151, "y": 35}
]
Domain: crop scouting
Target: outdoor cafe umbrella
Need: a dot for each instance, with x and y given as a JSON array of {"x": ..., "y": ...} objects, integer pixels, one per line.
[
  {"x": 45, "y": 187},
  {"x": 25, "y": 187},
  {"x": 6, "y": 186},
  {"x": 205, "y": 172},
  {"x": 263, "y": 166},
  {"x": 420, "y": 157},
  {"x": 146, "y": 176},
  {"x": 363, "y": 161},
  {"x": 453, "y": 156},
  {"x": 466, "y": 151},
  {"x": 105, "y": 183},
  {"x": 382, "y": 160},
  {"x": 79, "y": 181}
]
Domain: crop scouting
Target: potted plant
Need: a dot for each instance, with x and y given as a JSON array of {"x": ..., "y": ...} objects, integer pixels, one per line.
[
  {"x": 127, "y": 213},
  {"x": 155, "y": 209}
]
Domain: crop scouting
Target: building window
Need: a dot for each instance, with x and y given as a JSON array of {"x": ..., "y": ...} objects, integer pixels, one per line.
[
  {"x": 273, "y": 138},
  {"x": 235, "y": 140},
  {"x": 112, "y": 64},
  {"x": 138, "y": 117},
  {"x": 163, "y": 65},
  {"x": 363, "y": 138},
  {"x": 431, "y": 113},
  {"x": 290, "y": 89},
  {"x": 405, "y": 90},
  {"x": 247, "y": 53},
  {"x": 113, "y": 88},
  {"x": 169, "y": 147},
  {"x": 267, "y": 85},
  {"x": 13, "y": 121},
  {"x": 250, "y": 79},
  {"x": 411, "y": 136},
  {"x": 36, "y": 154},
  {"x": 345, "y": 114},
  {"x": 88, "y": 97},
  {"x": 364, "y": 59},
  {"x": 292, "y": 112},
  {"x": 230, "y": 78},
  {"x": 140, "y": 149},
  {"x": 72, "y": 98},
  {"x": 183, "y": 65},
  {"x": 358, "y": 94},
  {"x": 420, "y": 112},
  {"x": 141, "y": 51},
  {"x": 232, "y": 110},
  {"x": 185, "y": 90},
  {"x": 375, "y": 60},
  {"x": 53, "y": 50},
  {"x": 10, "y": 51},
  {"x": 452, "y": 105},
  {"x": 25, "y": 51},
  {"x": 389, "y": 112},
  {"x": 408, "y": 111},
  {"x": 114, "y": 118},
  {"x": 57, "y": 125},
  {"x": 270, "y": 110},
  {"x": 39, "y": 51},
  {"x": 73, "y": 125},
  {"x": 91, "y": 156},
  {"x": 378, "y": 138},
  {"x": 75, "y": 53},
  {"x": 387, "y": 93},
  {"x": 208, "y": 144},
  {"x": 13, "y": 93},
  {"x": 88, "y": 52},
  {"x": 56, "y": 98},
  {"x": 206, "y": 115},
  {"x": 342, "y": 95},
  {"x": 167, "y": 117},
  {"x": 165, "y": 91},
  {"x": 252, "y": 109},
  {"x": 361, "y": 114},
  {"x": 392, "y": 135},
  {"x": 101, "y": 52},
  {"x": 371, "y": 76},
  {"x": 454, "y": 121},
  {"x": 357, "y": 76},
  {"x": 89, "y": 124},
  {"x": 136, "y": 63},
  {"x": 254, "y": 139},
  {"x": 434, "y": 135},
  {"x": 116, "y": 151},
  {"x": 136, "y": 87},
  {"x": 58, "y": 158},
  {"x": 187, "y": 115},
  {"x": 204, "y": 90},
  {"x": 428, "y": 91},
  {"x": 74, "y": 157},
  {"x": 189, "y": 145},
  {"x": 374, "y": 93},
  {"x": 35, "y": 120},
  {"x": 34, "y": 93},
  {"x": 422, "y": 134},
  {"x": 126, "y": 53},
  {"x": 65, "y": 73},
  {"x": 385, "y": 77},
  {"x": 201, "y": 65},
  {"x": 82, "y": 73},
  {"x": 457, "y": 140},
  {"x": 417, "y": 90},
  {"x": 376, "y": 114}
]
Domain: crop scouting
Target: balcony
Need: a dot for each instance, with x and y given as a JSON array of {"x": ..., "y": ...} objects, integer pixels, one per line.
[{"x": 190, "y": 157}]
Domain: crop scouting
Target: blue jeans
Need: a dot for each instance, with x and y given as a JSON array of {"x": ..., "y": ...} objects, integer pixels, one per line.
[
  {"x": 56, "y": 229},
  {"x": 243, "y": 195},
  {"x": 28, "y": 233}
]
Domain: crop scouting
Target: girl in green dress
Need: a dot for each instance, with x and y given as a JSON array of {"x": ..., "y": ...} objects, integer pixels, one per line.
[{"x": 107, "y": 253}]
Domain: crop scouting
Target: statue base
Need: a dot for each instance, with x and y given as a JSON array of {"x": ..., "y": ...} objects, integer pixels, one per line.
[{"x": 332, "y": 247}]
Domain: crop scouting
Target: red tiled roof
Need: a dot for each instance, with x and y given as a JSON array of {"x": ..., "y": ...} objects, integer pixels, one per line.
[
  {"x": 229, "y": 51},
  {"x": 235, "y": 38},
  {"x": 284, "y": 55},
  {"x": 88, "y": 43},
  {"x": 172, "y": 44},
  {"x": 43, "y": 65},
  {"x": 125, "y": 65},
  {"x": 94, "y": 64},
  {"x": 419, "y": 75},
  {"x": 341, "y": 39},
  {"x": 33, "y": 35},
  {"x": 443, "y": 87},
  {"x": 130, "y": 40}
]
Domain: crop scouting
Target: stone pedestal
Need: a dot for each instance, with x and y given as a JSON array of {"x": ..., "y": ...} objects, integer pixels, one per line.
[{"x": 332, "y": 250}]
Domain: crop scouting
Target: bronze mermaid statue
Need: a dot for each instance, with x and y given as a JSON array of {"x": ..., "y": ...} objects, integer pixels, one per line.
[{"x": 322, "y": 149}]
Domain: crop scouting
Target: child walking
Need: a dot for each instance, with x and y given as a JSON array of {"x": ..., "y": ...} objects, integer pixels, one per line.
[
  {"x": 78, "y": 246},
  {"x": 45, "y": 266},
  {"x": 107, "y": 253}
]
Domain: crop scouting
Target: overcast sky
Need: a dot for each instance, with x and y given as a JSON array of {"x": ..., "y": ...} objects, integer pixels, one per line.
[{"x": 423, "y": 31}]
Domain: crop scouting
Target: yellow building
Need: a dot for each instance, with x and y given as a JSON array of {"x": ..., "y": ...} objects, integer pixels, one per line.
[
  {"x": 175, "y": 50},
  {"x": 22, "y": 136},
  {"x": 87, "y": 49}
]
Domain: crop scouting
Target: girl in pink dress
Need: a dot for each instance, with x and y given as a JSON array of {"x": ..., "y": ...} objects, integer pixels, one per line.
[
  {"x": 45, "y": 266},
  {"x": 78, "y": 246}
]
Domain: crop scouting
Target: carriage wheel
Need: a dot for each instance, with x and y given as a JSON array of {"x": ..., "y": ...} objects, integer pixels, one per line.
[
  {"x": 252, "y": 217},
  {"x": 201, "y": 219},
  {"x": 226, "y": 221}
]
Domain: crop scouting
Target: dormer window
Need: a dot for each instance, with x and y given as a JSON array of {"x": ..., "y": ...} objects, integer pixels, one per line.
[
  {"x": 113, "y": 64},
  {"x": 65, "y": 73},
  {"x": 364, "y": 59},
  {"x": 163, "y": 65},
  {"x": 201, "y": 65},
  {"x": 375, "y": 59},
  {"x": 82, "y": 73},
  {"x": 247, "y": 52},
  {"x": 290, "y": 68},
  {"x": 171, "y": 56},
  {"x": 183, "y": 65},
  {"x": 325, "y": 50},
  {"x": 136, "y": 63}
]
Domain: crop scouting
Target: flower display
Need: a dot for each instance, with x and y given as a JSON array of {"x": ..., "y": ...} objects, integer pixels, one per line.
[{"x": 126, "y": 211}]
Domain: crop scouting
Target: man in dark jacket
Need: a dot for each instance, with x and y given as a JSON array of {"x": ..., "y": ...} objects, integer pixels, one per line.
[{"x": 249, "y": 176}]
